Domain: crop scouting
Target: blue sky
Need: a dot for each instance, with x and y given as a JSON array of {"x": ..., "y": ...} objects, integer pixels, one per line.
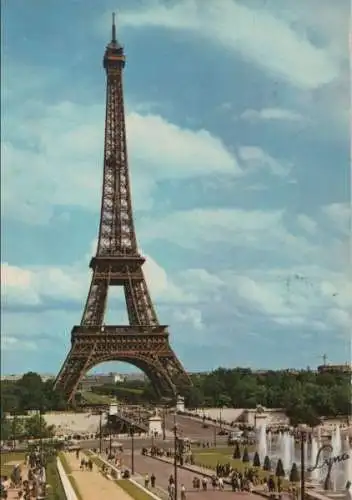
[{"x": 238, "y": 142}]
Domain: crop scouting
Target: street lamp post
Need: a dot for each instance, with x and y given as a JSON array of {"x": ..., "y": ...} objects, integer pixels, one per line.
[
  {"x": 40, "y": 434},
  {"x": 303, "y": 437},
  {"x": 132, "y": 449},
  {"x": 14, "y": 423},
  {"x": 100, "y": 433},
  {"x": 164, "y": 424},
  {"x": 215, "y": 431},
  {"x": 110, "y": 439},
  {"x": 175, "y": 459}
]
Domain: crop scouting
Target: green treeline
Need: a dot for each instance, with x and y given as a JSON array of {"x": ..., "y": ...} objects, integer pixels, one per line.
[{"x": 306, "y": 395}]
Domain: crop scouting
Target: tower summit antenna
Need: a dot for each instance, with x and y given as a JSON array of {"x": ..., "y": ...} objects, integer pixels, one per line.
[{"x": 113, "y": 33}]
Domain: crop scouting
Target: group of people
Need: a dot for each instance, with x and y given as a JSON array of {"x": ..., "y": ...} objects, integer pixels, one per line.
[
  {"x": 171, "y": 489},
  {"x": 34, "y": 486}
]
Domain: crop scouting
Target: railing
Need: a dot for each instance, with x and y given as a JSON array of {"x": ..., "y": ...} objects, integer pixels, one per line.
[{"x": 66, "y": 484}]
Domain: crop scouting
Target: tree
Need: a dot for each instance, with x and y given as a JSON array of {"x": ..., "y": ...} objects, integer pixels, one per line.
[
  {"x": 17, "y": 427},
  {"x": 303, "y": 414},
  {"x": 237, "y": 452},
  {"x": 245, "y": 457},
  {"x": 36, "y": 427},
  {"x": 294, "y": 474},
  {"x": 256, "y": 460},
  {"x": 267, "y": 464},
  {"x": 279, "y": 472}
]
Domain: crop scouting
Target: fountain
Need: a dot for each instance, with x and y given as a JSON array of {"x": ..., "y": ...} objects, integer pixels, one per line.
[
  {"x": 262, "y": 443},
  {"x": 286, "y": 452},
  {"x": 336, "y": 471},
  {"x": 270, "y": 443},
  {"x": 348, "y": 463},
  {"x": 313, "y": 453}
]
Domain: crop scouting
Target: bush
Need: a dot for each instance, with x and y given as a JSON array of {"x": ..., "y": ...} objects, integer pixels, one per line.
[
  {"x": 245, "y": 457},
  {"x": 267, "y": 464},
  {"x": 280, "y": 472},
  {"x": 256, "y": 460},
  {"x": 237, "y": 452},
  {"x": 294, "y": 474}
]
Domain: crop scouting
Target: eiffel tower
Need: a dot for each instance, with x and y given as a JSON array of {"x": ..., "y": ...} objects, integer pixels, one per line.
[{"x": 143, "y": 343}]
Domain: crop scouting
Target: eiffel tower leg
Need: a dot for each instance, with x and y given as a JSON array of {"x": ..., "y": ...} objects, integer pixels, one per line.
[
  {"x": 74, "y": 366},
  {"x": 140, "y": 307},
  {"x": 94, "y": 310}
]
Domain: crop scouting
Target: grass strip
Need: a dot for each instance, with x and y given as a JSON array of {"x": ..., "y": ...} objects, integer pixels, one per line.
[
  {"x": 68, "y": 471},
  {"x": 56, "y": 490},
  {"x": 133, "y": 490}
]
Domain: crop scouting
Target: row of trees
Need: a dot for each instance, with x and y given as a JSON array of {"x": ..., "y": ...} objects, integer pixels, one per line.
[
  {"x": 279, "y": 470},
  {"x": 30, "y": 393},
  {"x": 31, "y": 427},
  {"x": 304, "y": 394}
]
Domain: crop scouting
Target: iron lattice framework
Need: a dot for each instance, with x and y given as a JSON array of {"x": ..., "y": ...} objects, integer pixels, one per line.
[{"x": 144, "y": 342}]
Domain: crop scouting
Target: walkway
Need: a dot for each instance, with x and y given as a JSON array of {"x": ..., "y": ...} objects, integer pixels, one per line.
[{"x": 93, "y": 485}]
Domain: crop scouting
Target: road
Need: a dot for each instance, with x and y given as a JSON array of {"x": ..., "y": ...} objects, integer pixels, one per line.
[
  {"x": 162, "y": 472},
  {"x": 186, "y": 427},
  {"x": 193, "y": 429}
]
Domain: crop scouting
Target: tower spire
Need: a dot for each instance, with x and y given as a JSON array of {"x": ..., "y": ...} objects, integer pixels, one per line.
[{"x": 113, "y": 31}]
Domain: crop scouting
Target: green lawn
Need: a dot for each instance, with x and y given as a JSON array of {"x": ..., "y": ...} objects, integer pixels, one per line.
[
  {"x": 133, "y": 490},
  {"x": 55, "y": 489},
  {"x": 12, "y": 458},
  {"x": 94, "y": 399},
  {"x": 210, "y": 457}
]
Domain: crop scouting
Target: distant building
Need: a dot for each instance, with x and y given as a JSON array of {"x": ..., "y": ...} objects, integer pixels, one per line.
[
  {"x": 97, "y": 380},
  {"x": 16, "y": 377},
  {"x": 346, "y": 368}
]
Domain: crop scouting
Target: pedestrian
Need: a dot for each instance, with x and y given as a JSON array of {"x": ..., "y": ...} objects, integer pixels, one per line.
[
  {"x": 152, "y": 480},
  {"x": 146, "y": 481},
  {"x": 171, "y": 490},
  {"x": 204, "y": 483},
  {"x": 183, "y": 492}
]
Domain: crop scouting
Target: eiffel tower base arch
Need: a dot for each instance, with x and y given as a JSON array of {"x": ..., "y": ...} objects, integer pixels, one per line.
[{"x": 146, "y": 348}]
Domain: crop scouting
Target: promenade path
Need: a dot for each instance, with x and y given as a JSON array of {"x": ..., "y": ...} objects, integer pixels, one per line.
[
  {"x": 163, "y": 470},
  {"x": 93, "y": 485}
]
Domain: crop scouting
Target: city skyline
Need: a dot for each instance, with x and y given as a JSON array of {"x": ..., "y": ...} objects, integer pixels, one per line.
[{"x": 239, "y": 159}]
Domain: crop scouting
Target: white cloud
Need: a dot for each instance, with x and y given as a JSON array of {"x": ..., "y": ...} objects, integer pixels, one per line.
[
  {"x": 190, "y": 317},
  {"x": 339, "y": 215},
  {"x": 60, "y": 160},
  {"x": 254, "y": 158},
  {"x": 9, "y": 343},
  {"x": 33, "y": 286},
  {"x": 310, "y": 296},
  {"x": 275, "y": 114},
  {"x": 307, "y": 223},
  {"x": 37, "y": 286},
  {"x": 264, "y": 230},
  {"x": 252, "y": 33}
]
